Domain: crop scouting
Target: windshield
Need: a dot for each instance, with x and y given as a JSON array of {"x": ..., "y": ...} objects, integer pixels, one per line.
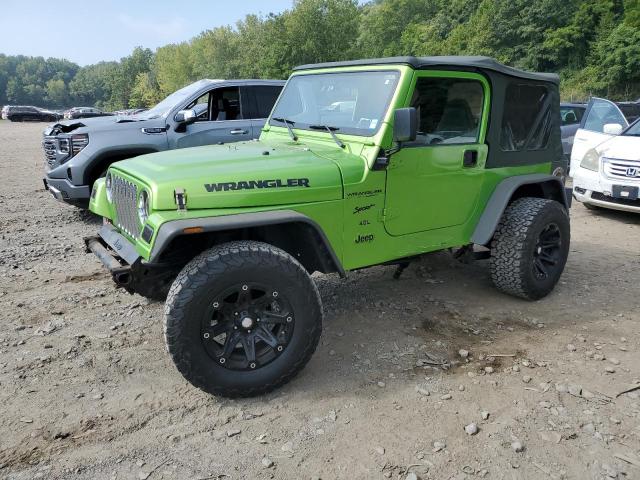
[
  {"x": 164, "y": 107},
  {"x": 571, "y": 115},
  {"x": 633, "y": 130},
  {"x": 353, "y": 103}
]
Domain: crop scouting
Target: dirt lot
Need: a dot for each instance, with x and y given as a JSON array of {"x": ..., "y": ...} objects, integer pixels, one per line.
[{"x": 88, "y": 392}]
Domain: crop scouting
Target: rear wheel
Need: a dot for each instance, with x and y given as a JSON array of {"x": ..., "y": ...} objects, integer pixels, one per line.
[
  {"x": 242, "y": 319},
  {"x": 530, "y": 247}
]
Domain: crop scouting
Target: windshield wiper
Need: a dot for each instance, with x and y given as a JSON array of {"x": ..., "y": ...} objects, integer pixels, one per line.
[
  {"x": 331, "y": 130},
  {"x": 288, "y": 123}
]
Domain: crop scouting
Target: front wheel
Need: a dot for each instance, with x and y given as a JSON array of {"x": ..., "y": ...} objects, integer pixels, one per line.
[
  {"x": 530, "y": 247},
  {"x": 242, "y": 319}
]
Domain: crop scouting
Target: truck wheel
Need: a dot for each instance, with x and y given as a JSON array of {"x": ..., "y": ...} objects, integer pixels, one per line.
[
  {"x": 242, "y": 319},
  {"x": 530, "y": 247}
]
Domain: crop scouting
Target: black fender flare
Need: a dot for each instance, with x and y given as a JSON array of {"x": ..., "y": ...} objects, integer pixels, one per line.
[
  {"x": 175, "y": 228},
  {"x": 551, "y": 187}
]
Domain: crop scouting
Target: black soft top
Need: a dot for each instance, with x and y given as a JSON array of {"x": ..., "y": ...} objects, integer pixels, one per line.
[{"x": 462, "y": 63}]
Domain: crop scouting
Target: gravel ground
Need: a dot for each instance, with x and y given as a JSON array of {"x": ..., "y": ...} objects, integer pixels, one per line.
[{"x": 433, "y": 376}]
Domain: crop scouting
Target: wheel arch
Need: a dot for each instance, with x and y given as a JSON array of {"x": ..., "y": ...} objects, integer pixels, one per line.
[
  {"x": 510, "y": 189},
  {"x": 293, "y": 232},
  {"x": 102, "y": 161}
]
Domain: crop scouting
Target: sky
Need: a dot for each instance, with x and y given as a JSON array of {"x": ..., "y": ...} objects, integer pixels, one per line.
[{"x": 90, "y": 31}]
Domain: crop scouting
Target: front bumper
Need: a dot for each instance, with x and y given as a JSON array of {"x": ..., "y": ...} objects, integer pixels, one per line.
[
  {"x": 64, "y": 191},
  {"x": 127, "y": 267},
  {"x": 115, "y": 245},
  {"x": 593, "y": 188},
  {"x": 115, "y": 252}
]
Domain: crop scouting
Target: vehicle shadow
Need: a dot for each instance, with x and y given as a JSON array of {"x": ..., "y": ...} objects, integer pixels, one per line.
[
  {"x": 629, "y": 218},
  {"x": 78, "y": 215},
  {"x": 377, "y": 328}
]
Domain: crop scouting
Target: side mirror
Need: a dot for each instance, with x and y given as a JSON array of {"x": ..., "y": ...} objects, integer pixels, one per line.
[
  {"x": 405, "y": 125},
  {"x": 612, "y": 129},
  {"x": 186, "y": 116}
]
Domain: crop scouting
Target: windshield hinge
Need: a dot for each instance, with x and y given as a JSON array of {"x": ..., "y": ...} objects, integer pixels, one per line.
[{"x": 181, "y": 199}]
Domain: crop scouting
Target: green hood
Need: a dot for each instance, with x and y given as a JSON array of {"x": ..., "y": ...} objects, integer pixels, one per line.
[{"x": 249, "y": 174}]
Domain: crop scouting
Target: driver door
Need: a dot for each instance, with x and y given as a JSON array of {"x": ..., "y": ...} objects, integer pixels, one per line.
[
  {"x": 220, "y": 119},
  {"x": 435, "y": 181},
  {"x": 600, "y": 112}
]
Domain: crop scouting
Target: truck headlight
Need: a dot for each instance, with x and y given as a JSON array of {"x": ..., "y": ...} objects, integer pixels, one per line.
[
  {"x": 143, "y": 206},
  {"x": 591, "y": 161},
  {"x": 107, "y": 186},
  {"x": 78, "y": 142}
]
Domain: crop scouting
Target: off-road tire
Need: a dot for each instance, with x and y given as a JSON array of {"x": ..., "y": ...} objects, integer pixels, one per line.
[
  {"x": 209, "y": 273},
  {"x": 514, "y": 247}
]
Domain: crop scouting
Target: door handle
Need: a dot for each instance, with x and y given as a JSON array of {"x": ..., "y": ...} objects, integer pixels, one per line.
[
  {"x": 470, "y": 158},
  {"x": 239, "y": 132}
]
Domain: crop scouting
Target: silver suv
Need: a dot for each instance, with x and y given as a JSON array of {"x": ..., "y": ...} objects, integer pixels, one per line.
[{"x": 77, "y": 152}]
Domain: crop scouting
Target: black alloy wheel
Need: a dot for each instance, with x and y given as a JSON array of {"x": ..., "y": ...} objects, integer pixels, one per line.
[
  {"x": 247, "y": 326},
  {"x": 547, "y": 252}
]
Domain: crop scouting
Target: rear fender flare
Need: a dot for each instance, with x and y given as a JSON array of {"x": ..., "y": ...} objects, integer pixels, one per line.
[{"x": 544, "y": 186}]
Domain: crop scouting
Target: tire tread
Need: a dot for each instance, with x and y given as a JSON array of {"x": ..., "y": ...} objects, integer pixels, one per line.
[{"x": 214, "y": 263}]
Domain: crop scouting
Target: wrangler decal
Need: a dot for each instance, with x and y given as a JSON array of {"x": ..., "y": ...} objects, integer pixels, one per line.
[
  {"x": 251, "y": 184},
  {"x": 366, "y": 193}
]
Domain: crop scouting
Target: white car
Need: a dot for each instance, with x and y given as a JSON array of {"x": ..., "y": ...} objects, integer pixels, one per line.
[{"x": 605, "y": 159}]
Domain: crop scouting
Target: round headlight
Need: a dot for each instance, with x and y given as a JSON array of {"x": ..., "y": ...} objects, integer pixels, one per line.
[
  {"x": 107, "y": 184},
  {"x": 143, "y": 206}
]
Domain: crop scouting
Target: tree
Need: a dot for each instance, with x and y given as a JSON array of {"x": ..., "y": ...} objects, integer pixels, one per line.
[
  {"x": 145, "y": 92},
  {"x": 173, "y": 67},
  {"x": 92, "y": 85},
  {"x": 122, "y": 81},
  {"x": 383, "y": 23},
  {"x": 57, "y": 94},
  {"x": 593, "y": 44}
]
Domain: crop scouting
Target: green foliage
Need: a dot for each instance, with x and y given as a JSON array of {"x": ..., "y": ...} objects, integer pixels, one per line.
[
  {"x": 593, "y": 44},
  {"x": 145, "y": 92},
  {"x": 92, "y": 85},
  {"x": 124, "y": 76}
]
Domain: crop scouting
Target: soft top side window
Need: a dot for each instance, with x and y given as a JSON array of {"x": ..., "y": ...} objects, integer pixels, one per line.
[
  {"x": 526, "y": 119},
  {"x": 449, "y": 110}
]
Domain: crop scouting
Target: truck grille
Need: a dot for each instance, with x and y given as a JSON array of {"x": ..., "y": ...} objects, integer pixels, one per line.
[
  {"x": 623, "y": 169},
  {"x": 125, "y": 199},
  {"x": 49, "y": 146}
]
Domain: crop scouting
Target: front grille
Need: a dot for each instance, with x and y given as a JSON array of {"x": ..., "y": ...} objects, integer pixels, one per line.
[
  {"x": 618, "y": 201},
  {"x": 125, "y": 200},
  {"x": 626, "y": 169},
  {"x": 49, "y": 146}
]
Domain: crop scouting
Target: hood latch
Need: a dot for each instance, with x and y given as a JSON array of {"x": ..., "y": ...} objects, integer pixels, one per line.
[{"x": 181, "y": 199}]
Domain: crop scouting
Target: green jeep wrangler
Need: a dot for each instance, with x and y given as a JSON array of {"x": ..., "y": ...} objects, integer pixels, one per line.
[{"x": 361, "y": 163}]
